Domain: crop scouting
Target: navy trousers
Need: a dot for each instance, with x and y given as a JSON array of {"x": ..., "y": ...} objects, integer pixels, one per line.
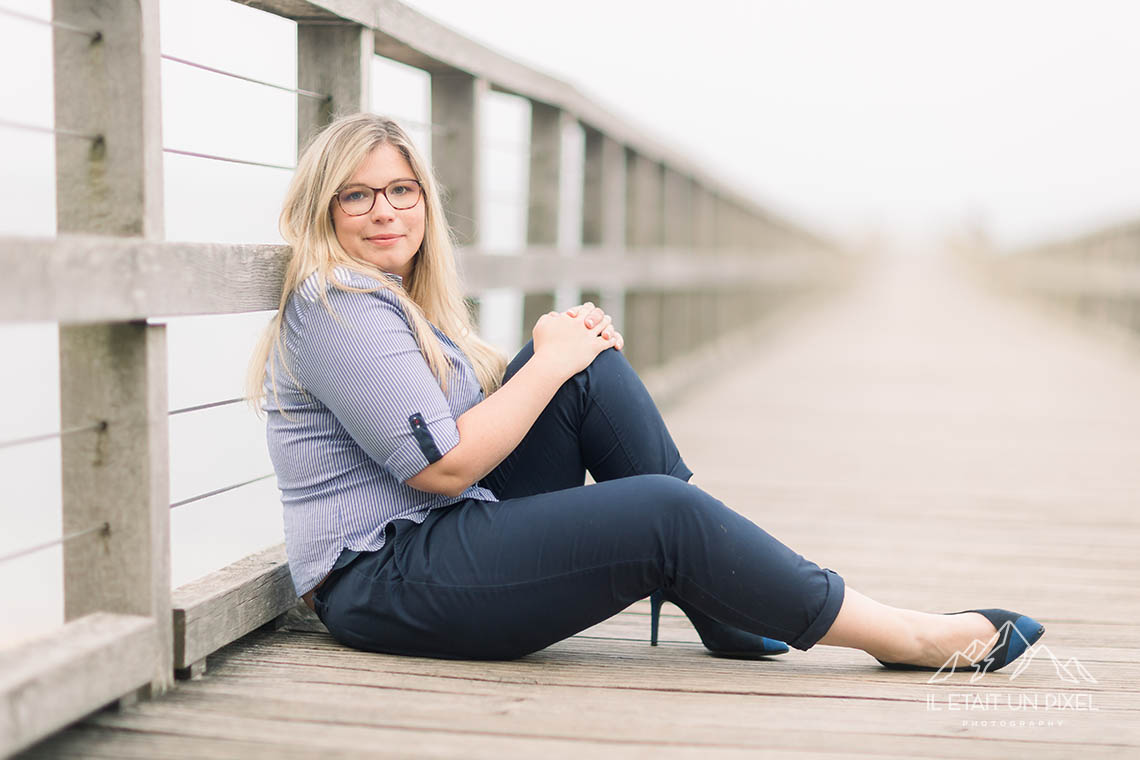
[{"x": 499, "y": 580}]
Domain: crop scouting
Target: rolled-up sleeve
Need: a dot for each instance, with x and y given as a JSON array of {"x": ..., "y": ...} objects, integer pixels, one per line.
[{"x": 363, "y": 363}]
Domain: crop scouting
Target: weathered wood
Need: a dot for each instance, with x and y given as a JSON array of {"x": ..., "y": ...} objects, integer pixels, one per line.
[
  {"x": 117, "y": 373},
  {"x": 336, "y": 61},
  {"x": 544, "y": 198},
  {"x": 603, "y": 213},
  {"x": 676, "y": 332},
  {"x": 455, "y": 149},
  {"x": 919, "y": 469},
  {"x": 191, "y": 672},
  {"x": 110, "y": 87},
  {"x": 229, "y": 603},
  {"x": 94, "y": 279},
  {"x": 76, "y": 279},
  {"x": 645, "y": 207},
  {"x": 77, "y": 668}
]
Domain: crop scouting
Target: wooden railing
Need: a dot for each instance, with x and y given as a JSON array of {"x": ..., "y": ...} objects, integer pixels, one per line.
[
  {"x": 680, "y": 258},
  {"x": 1094, "y": 277}
]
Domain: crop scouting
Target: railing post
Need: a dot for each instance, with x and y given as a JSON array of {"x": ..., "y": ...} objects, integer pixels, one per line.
[
  {"x": 455, "y": 99},
  {"x": 115, "y": 373},
  {"x": 544, "y": 196},
  {"x": 704, "y": 320},
  {"x": 335, "y": 60},
  {"x": 728, "y": 239},
  {"x": 603, "y": 213},
  {"x": 644, "y": 228},
  {"x": 676, "y": 323}
]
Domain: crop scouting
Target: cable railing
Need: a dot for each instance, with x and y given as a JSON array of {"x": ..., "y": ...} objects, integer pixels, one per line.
[{"x": 664, "y": 246}]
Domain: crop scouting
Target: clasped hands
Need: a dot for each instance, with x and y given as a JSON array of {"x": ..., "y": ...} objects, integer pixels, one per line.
[{"x": 596, "y": 316}]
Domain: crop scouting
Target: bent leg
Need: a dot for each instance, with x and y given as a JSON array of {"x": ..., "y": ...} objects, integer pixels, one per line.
[
  {"x": 602, "y": 419},
  {"x": 487, "y": 580}
]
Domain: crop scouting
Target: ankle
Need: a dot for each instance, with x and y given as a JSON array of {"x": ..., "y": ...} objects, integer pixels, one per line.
[{"x": 908, "y": 638}]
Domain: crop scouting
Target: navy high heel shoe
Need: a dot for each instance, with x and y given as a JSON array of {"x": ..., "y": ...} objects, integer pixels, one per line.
[
  {"x": 1015, "y": 638},
  {"x": 721, "y": 640}
]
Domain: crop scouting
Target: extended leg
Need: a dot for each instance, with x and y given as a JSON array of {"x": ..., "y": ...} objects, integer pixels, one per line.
[{"x": 500, "y": 580}]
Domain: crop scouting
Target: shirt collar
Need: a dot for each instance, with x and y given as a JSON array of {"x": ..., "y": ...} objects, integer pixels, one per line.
[{"x": 396, "y": 277}]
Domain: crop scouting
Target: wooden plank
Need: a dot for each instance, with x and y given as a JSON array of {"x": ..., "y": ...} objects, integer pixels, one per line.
[
  {"x": 225, "y": 605},
  {"x": 335, "y": 60},
  {"x": 77, "y": 668},
  {"x": 109, "y": 87},
  {"x": 77, "y": 279},
  {"x": 597, "y": 693},
  {"x": 117, "y": 476},
  {"x": 455, "y": 99},
  {"x": 645, "y": 228},
  {"x": 604, "y": 213},
  {"x": 544, "y": 199},
  {"x": 921, "y": 469}
]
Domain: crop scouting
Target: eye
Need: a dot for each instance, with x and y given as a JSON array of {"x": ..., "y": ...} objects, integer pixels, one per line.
[
  {"x": 400, "y": 189},
  {"x": 352, "y": 195}
]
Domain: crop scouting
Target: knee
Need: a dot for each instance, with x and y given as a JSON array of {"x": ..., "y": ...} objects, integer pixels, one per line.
[
  {"x": 609, "y": 361},
  {"x": 673, "y": 497}
]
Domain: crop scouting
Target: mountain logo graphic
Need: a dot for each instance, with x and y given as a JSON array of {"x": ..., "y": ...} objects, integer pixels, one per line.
[{"x": 1071, "y": 670}]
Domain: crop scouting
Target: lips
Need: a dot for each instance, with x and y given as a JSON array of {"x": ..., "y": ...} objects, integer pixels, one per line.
[{"x": 381, "y": 238}]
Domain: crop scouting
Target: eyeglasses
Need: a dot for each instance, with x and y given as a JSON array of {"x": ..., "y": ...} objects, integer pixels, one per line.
[{"x": 357, "y": 200}]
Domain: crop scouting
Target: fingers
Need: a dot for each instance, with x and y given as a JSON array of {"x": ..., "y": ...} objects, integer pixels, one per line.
[
  {"x": 593, "y": 314},
  {"x": 585, "y": 308},
  {"x": 603, "y": 326}
]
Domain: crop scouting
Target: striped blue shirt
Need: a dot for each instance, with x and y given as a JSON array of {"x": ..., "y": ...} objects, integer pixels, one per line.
[{"x": 373, "y": 416}]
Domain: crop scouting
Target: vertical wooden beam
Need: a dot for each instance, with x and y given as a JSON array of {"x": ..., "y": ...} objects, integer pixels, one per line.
[
  {"x": 604, "y": 214},
  {"x": 118, "y": 476},
  {"x": 644, "y": 228},
  {"x": 677, "y": 334},
  {"x": 335, "y": 60},
  {"x": 544, "y": 198},
  {"x": 109, "y": 87},
  {"x": 455, "y": 148},
  {"x": 705, "y": 234},
  {"x": 114, "y": 372}
]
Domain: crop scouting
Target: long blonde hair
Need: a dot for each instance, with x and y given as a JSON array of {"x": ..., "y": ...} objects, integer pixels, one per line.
[{"x": 431, "y": 291}]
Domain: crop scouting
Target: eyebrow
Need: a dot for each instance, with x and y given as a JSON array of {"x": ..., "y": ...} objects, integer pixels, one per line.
[{"x": 365, "y": 184}]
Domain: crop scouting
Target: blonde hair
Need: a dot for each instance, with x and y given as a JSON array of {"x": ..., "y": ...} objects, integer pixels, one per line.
[{"x": 431, "y": 292}]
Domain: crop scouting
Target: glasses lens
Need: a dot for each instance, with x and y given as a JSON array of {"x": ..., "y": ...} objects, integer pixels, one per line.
[
  {"x": 403, "y": 194},
  {"x": 355, "y": 200}
]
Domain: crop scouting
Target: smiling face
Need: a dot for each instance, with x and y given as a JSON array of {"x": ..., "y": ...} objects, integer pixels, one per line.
[{"x": 385, "y": 237}]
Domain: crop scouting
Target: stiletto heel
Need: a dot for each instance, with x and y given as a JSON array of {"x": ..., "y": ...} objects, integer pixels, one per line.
[
  {"x": 719, "y": 639},
  {"x": 655, "y": 601},
  {"x": 1014, "y": 640}
]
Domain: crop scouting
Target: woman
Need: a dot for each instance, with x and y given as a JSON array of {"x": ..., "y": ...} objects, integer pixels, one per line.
[{"x": 433, "y": 494}]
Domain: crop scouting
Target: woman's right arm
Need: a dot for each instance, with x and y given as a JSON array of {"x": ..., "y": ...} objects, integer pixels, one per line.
[{"x": 491, "y": 429}]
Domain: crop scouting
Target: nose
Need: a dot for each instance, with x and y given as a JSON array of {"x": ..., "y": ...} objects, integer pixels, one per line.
[{"x": 382, "y": 210}]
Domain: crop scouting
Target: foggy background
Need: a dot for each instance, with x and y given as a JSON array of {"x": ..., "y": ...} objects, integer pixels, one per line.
[{"x": 895, "y": 121}]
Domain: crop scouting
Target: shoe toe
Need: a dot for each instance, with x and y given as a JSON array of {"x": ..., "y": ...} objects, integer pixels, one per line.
[{"x": 772, "y": 646}]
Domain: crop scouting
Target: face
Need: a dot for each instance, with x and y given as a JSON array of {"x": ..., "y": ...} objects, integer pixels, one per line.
[{"x": 385, "y": 237}]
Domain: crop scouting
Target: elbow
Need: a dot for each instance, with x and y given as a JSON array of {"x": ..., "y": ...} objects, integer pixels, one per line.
[
  {"x": 456, "y": 490},
  {"x": 439, "y": 479}
]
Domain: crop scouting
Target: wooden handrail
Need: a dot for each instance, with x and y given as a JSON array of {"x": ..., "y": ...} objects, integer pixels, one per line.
[{"x": 90, "y": 278}]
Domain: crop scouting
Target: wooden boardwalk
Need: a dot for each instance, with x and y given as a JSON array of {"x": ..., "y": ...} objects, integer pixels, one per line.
[{"x": 937, "y": 446}]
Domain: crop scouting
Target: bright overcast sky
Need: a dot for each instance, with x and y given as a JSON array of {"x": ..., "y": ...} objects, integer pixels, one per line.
[{"x": 910, "y": 114}]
